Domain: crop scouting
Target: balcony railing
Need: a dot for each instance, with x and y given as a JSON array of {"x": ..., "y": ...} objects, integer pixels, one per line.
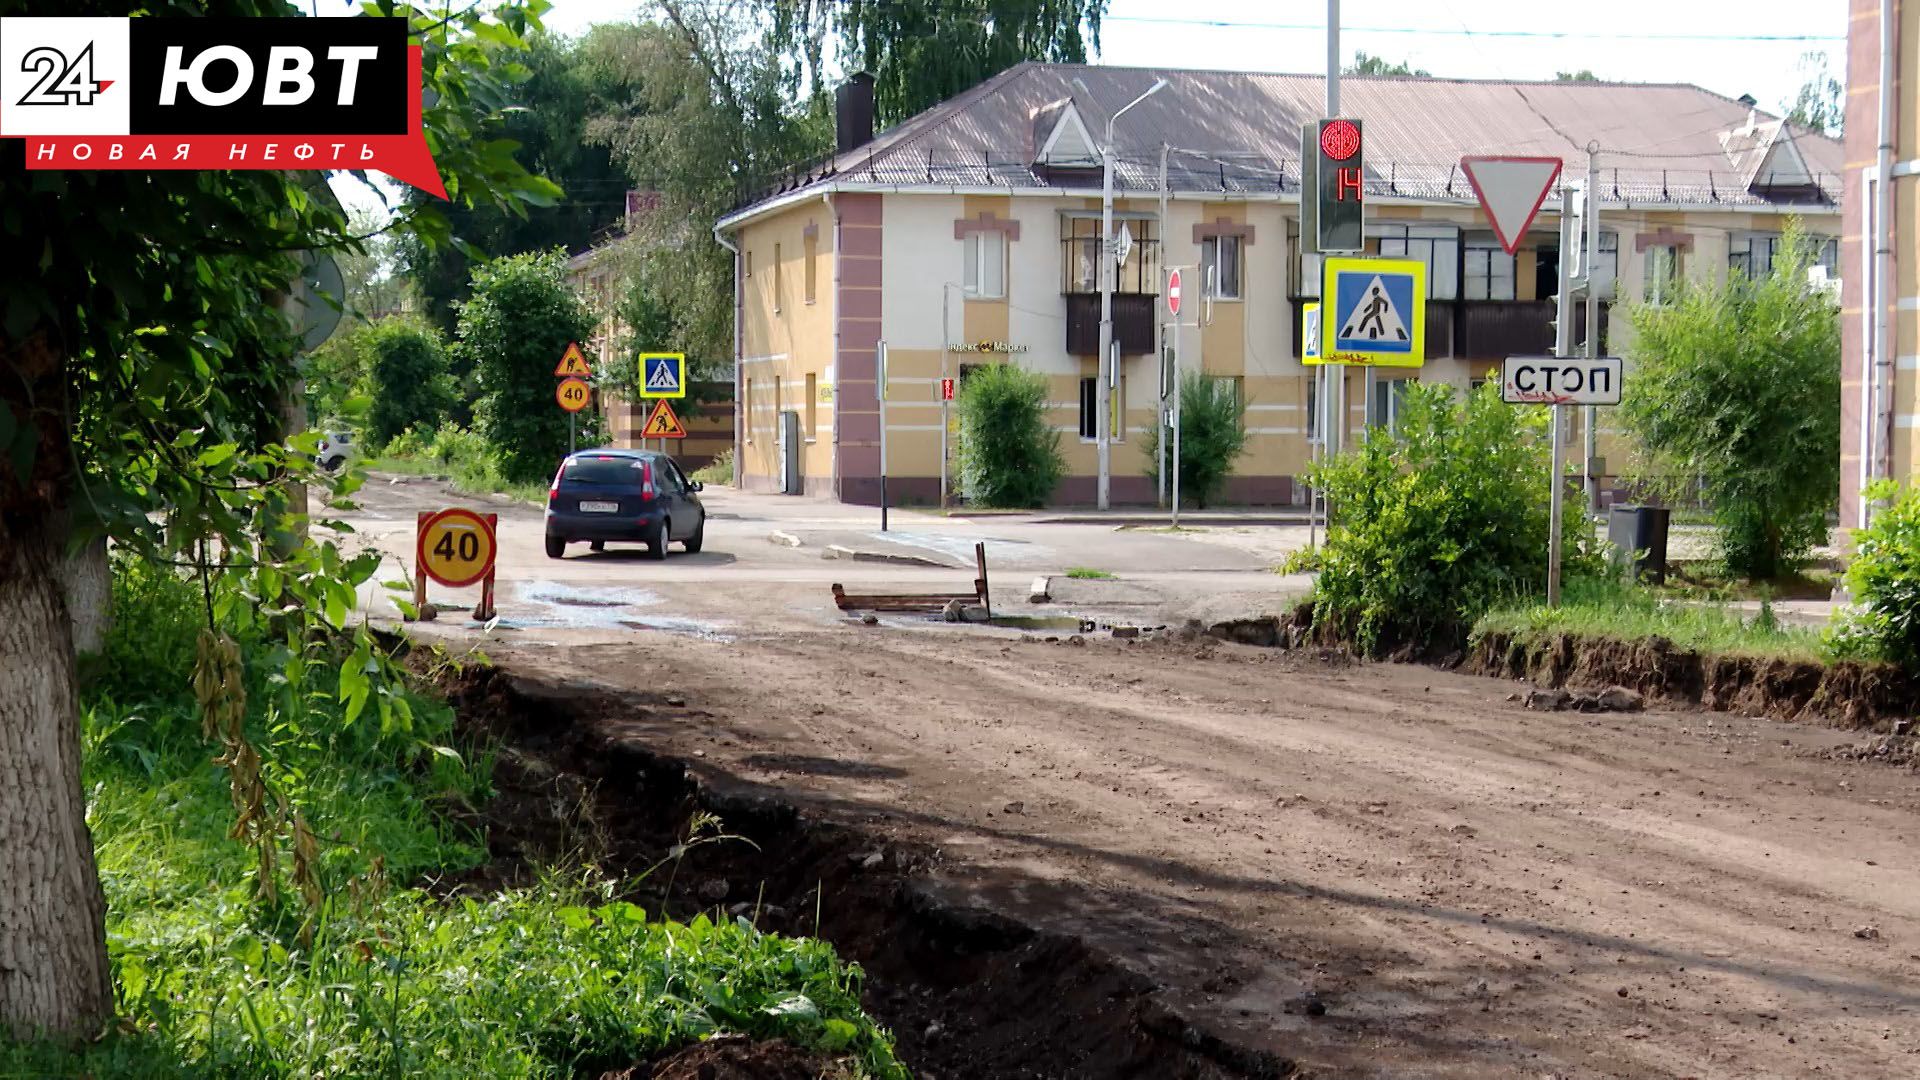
[
  {"x": 1482, "y": 329},
  {"x": 1132, "y": 323}
]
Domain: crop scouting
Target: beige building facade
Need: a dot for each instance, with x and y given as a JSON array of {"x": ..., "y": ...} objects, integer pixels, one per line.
[{"x": 970, "y": 236}]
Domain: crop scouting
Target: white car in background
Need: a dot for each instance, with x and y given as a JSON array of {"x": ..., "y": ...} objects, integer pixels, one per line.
[{"x": 336, "y": 449}]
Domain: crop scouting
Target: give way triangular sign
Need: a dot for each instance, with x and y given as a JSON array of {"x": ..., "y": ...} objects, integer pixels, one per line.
[{"x": 1511, "y": 190}]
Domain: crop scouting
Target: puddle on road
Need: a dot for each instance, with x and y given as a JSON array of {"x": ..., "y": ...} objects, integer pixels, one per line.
[
  {"x": 1068, "y": 623},
  {"x": 553, "y": 593},
  {"x": 699, "y": 628},
  {"x": 550, "y": 605},
  {"x": 960, "y": 548}
]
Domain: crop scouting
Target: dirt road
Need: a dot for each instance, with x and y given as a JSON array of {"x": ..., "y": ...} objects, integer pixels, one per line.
[
  {"x": 1373, "y": 870},
  {"x": 1468, "y": 889}
]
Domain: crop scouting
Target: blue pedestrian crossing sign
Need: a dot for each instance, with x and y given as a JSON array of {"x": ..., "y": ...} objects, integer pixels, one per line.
[
  {"x": 663, "y": 375},
  {"x": 1375, "y": 312},
  {"x": 1310, "y": 335}
]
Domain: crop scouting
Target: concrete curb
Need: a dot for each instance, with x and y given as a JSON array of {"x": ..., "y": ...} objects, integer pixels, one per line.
[{"x": 841, "y": 551}]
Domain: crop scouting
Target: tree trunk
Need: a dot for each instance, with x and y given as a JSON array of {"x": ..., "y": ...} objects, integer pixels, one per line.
[
  {"x": 54, "y": 977},
  {"x": 88, "y": 578}
]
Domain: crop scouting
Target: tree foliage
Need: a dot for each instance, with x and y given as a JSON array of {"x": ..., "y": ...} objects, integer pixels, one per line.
[
  {"x": 1436, "y": 522},
  {"x": 1363, "y": 64},
  {"x": 149, "y": 365},
  {"x": 922, "y": 52},
  {"x": 1009, "y": 454},
  {"x": 1821, "y": 104},
  {"x": 406, "y": 377},
  {"x": 1884, "y": 578},
  {"x": 512, "y": 332},
  {"x": 545, "y": 118},
  {"x": 1583, "y": 75},
  {"x": 1213, "y": 435},
  {"x": 1738, "y": 384}
]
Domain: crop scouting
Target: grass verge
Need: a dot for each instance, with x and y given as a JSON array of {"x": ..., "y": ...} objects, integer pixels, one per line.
[
  {"x": 1606, "y": 609},
  {"x": 385, "y": 978},
  {"x": 1088, "y": 573},
  {"x": 477, "y": 479}
]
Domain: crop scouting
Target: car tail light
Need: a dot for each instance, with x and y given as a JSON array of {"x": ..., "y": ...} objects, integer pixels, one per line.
[
  {"x": 553, "y": 490},
  {"x": 646, "y": 481}
]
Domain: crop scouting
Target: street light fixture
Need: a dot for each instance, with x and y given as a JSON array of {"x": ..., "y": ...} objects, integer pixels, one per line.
[{"x": 1107, "y": 370}]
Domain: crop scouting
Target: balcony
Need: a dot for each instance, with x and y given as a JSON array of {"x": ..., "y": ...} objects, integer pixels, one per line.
[{"x": 1132, "y": 323}]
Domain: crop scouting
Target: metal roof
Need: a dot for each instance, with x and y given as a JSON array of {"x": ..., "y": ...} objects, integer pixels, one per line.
[{"x": 1238, "y": 133}]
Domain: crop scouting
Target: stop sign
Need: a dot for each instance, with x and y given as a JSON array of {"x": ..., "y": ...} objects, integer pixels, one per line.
[{"x": 1173, "y": 293}]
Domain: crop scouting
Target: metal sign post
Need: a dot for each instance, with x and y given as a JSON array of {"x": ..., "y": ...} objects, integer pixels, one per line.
[
  {"x": 1593, "y": 318},
  {"x": 880, "y": 393},
  {"x": 1562, "y": 346}
]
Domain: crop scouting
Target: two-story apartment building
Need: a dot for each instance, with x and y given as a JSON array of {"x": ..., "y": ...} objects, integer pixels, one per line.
[{"x": 970, "y": 234}]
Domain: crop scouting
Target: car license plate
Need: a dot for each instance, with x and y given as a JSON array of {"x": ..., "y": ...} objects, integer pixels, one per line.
[{"x": 599, "y": 507}]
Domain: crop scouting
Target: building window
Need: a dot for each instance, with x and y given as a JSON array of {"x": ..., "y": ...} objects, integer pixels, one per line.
[
  {"x": 1436, "y": 245},
  {"x": 1080, "y": 255},
  {"x": 1090, "y": 410},
  {"x": 1220, "y": 263},
  {"x": 1488, "y": 270},
  {"x": 985, "y": 273},
  {"x": 1753, "y": 254},
  {"x": 811, "y": 254},
  {"x": 776, "y": 278},
  {"x": 1384, "y": 410},
  {"x": 1606, "y": 265},
  {"x": 1663, "y": 269},
  {"x": 813, "y": 397}
]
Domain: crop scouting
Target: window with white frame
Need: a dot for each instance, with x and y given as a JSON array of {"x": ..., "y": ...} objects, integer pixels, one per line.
[
  {"x": 985, "y": 273},
  {"x": 1606, "y": 265},
  {"x": 1388, "y": 396},
  {"x": 1487, "y": 270},
  {"x": 1663, "y": 270},
  {"x": 1753, "y": 253},
  {"x": 1220, "y": 262},
  {"x": 1436, "y": 245}
]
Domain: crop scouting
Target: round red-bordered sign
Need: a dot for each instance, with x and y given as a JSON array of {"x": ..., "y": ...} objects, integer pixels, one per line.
[
  {"x": 1340, "y": 140},
  {"x": 1173, "y": 293},
  {"x": 441, "y": 547}
]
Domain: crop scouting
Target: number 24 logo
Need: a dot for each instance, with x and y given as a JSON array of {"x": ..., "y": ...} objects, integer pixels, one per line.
[{"x": 60, "y": 82}]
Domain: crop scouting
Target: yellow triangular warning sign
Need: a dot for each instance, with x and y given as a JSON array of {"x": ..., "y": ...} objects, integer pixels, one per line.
[
  {"x": 573, "y": 362},
  {"x": 662, "y": 423}
]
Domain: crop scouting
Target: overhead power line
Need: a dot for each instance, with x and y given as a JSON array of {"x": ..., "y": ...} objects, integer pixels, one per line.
[{"x": 1581, "y": 35}]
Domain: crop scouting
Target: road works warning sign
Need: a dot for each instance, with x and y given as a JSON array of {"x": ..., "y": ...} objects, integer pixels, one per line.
[{"x": 663, "y": 423}]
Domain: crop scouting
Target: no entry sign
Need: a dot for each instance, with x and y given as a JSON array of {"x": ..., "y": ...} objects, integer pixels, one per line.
[{"x": 1173, "y": 292}]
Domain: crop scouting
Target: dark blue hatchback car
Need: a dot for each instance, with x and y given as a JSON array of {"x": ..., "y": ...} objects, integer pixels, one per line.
[{"x": 623, "y": 495}]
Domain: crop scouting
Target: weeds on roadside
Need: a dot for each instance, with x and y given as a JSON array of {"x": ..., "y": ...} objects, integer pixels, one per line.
[
  {"x": 1607, "y": 608},
  {"x": 1088, "y": 573}
]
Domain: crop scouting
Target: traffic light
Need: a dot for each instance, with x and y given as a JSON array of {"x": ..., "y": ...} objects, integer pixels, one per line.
[{"x": 1336, "y": 185}]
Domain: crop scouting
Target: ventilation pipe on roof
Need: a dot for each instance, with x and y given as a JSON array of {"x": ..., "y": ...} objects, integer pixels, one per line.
[{"x": 853, "y": 112}]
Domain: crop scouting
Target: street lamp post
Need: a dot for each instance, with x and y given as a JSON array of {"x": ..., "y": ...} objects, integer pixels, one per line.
[{"x": 1102, "y": 379}]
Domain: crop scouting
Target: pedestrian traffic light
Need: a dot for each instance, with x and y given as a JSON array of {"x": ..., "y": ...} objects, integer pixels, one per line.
[{"x": 1339, "y": 185}]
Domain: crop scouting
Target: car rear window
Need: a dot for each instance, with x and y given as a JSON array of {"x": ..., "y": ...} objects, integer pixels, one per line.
[{"x": 603, "y": 470}]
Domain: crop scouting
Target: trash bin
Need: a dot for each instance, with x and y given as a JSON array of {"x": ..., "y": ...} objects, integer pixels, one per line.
[{"x": 1639, "y": 537}]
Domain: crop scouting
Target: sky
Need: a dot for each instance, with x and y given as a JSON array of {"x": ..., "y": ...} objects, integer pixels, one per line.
[{"x": 1734, "y": 48}]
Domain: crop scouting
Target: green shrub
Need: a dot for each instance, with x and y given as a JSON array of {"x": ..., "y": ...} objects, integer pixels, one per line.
[
  {"x": 717, "y": 471},
  {"x": 406, "y": 377},
  {"x": 1738, "y": 383},
  {"x": 519, "y": 322},
  {"x": 410, "y": 443},
  {"x": 1884, "y": 580},
  {"x": 1009, "y": 455},
  {"x": 1438, "y": 521},
  {"x": 455, "y": 445},
  {"x": 1213, "y": 435}
]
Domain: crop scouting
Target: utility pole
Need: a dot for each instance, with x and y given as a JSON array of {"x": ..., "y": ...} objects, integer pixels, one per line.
[
  {"x": 946, "y": 352},
  {"x": 1332, "y": 434},
  {"x": 1562, "y": 346},
  {"x": 1102, "y": 426},
  {"x": 1589, "y": 414},
  {"x": 880, "y": 392},
  {"x": 1160, "y": 391}
]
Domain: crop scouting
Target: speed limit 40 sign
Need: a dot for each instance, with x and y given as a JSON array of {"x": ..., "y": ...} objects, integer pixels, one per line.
[{"x": 456, "y": 547}]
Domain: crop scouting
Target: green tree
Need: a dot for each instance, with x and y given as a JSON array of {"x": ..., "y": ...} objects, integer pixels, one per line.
[
  {"x": 512, "y": 333},
  {"x": 1364, "y": 64},
  {"x": 1738, "y": 384},
  {"x": 406, "y": 378},
  {"x": 1213, "y": 435},
  {"x": 1009, "y": 454},
  {"x": 545, "y": 118},
  {"x": 922, "y": 52},
  {"x": 144, "y": 399},
  {"x": 1821, "y": 104},
  {"x": 1437, "y": 521},
  {"x": 1583, "y": 75}
]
